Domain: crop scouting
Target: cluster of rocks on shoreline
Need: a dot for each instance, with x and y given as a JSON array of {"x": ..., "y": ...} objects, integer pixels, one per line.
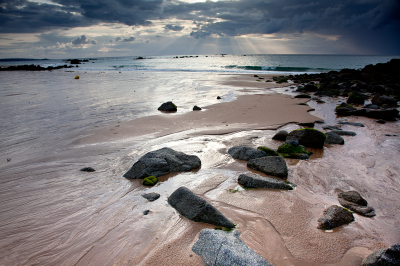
[{"x": 221, "y": 247}]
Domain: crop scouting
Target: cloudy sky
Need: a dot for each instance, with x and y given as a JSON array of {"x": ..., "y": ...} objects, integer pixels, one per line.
[{"x": 94, "y": 28}]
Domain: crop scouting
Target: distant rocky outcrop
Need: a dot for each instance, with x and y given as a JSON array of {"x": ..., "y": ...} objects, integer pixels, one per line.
[
  {"x": 32, "y": 68},
  {"x": 162, "y": 162},
  {"x": 245, "y": 153},
  {"x": 335, "y": 216},
  {"x": 257, "y": 181},
  {"x": 270, "y": 165},
  {"x": 308, "y": 137},
  {"x": 168, "y": 106},
  {"x": 197, "y": 209},
  {"x": 220, "y": 248},
  {"x": 353, "y": 201},
  {"x": 384, "y": 257}
]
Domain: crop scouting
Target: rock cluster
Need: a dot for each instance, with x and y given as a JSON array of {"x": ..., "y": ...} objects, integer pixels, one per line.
[{"x": 353, "y": 201}]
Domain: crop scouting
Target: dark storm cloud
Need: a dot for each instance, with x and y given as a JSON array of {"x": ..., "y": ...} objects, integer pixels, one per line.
[{"x": 345, "y": 18}]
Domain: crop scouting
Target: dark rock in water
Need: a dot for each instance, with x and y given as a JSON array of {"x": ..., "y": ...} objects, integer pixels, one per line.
[
  {"x": 306, "y": 124},
  {"x": 331, "y": 128},
  {"x": 386, "y": 114},
  {"x": 292, "y": 142},
  {"x": 355, "y": 202},
  {"x": 383, "y": 99},
  {"x": 302, "y": 96},
  {"x": 168, "y": 106},
  {"x": 162, "y": 162},
  {"x": 253, "y": 181},
  {"x": 270, "y": 165},
  {"x": 246, "y": 153},
  {"x": 196, "y": 108},
  {"x": 335, "y": 216},
  {"x": 308, "y": 137},
  {"x": 320, "y": 122},
  {"x": 333, "y": 138},
  {"x": 281, "y": 135},
  {"x": 384, "y": 257},
  {"x": 351, "y": 124},
  {"x": 86, "y": 169},
  {"x": 371, "y": 106},
  {"x": 217, "y": 247},
  {"x": 151, "y": 196},
  {"x": 146, "y": 212},
  {"x": 268, "y": 151},
  {"x": 344, "y": 109},
  {"x": 309, "y": 88},
  {"x": 344, "y": 133},
  {"x": 380, "y": 121},
  {"x": 219, "y": 98},
  {"x": 197, "y": 209}
]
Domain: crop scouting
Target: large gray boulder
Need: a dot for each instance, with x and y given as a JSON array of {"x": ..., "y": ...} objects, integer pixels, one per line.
[
  {"x": 194, "y": 208},
  {"x": 352, "y": 200},
  {"x": 335, "y": 216},
  {"x": 308, "y": 137},
  {"x": 246, "y": 153},
  {"x": 162, "y": 162},
  {"x": 256, "y": 181},
  {"x": 333, "y": 138},
  {"x": 384, "y": 257},
  {"x": 270, "y": 165},
  {"x": 217, "y": 247}
]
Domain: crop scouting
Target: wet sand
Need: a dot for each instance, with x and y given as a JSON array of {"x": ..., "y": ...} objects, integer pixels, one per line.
[{"x": 96, "y": 218}]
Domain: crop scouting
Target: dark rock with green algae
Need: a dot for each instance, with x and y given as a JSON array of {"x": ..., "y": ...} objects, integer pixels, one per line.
[
  {"x": 335, "y": 216},
  {"x": 256, "y": 181},
  {"x": 270, "y": 165},
  {"x": 268, "y": 151},
  {"x": 150, "y": 181},
  {"x": 194, "y": 208},
  {"x": 355, "y": 98},
  {"x": 292, "y": 149},
  {"x": 308, "y": 137}
]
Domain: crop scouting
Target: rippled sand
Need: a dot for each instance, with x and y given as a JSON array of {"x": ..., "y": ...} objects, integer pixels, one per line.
[{"x": 53, "y": 214}]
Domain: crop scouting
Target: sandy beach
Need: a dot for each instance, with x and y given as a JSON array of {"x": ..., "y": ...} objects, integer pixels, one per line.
[{"x": 97, "y": 218}]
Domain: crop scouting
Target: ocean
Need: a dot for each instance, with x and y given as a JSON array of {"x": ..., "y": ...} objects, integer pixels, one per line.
[
  {"x": 273, "y": 64},
  {"x": 53, "y": 214}
]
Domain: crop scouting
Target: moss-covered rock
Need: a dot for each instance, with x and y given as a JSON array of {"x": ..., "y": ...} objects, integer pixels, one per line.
[
  {"x": 268, "y": 151},
  {"x": 150, "y": 181},
  {"x": 287, "y": 150},
  {"x": 355, "y": 98}
]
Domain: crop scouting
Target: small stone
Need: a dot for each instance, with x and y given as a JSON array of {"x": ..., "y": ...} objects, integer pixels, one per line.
[
  {"x": 196, "y": 108},
  {"x": 87, "y": 169},
  {"x": 151, "y": 196},
  {"x": 281, "y": 135},
  {"x": 168, "y": 106},
  {"x": 380, "y": 121},
  {"x": 219, "y": 98},
  {"x": 146, "y": 212}
]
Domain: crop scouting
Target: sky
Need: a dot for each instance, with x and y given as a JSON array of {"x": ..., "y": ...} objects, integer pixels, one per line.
[{"x": 100, "y": 28}]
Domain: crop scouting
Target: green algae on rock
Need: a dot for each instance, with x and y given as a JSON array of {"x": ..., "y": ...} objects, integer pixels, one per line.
[{"x": 150, "y": 181}]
